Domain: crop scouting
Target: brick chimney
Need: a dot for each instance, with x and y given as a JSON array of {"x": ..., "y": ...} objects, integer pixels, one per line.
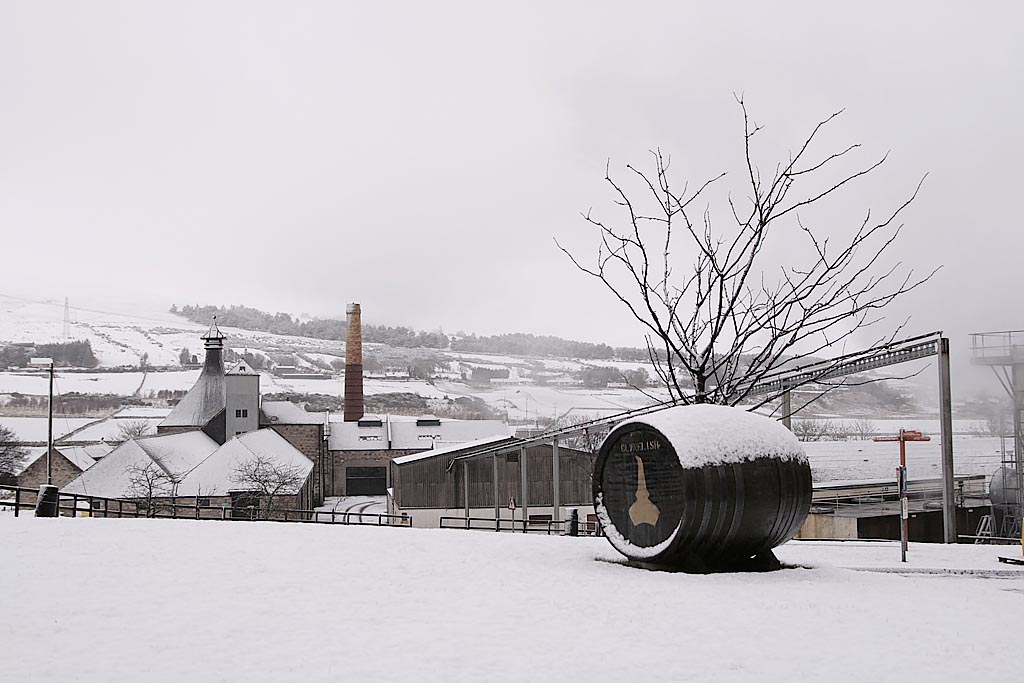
[{"x": 353, "y": 363}]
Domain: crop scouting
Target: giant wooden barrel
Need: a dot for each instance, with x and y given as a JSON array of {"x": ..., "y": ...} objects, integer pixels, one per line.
[{"x": 701, "y": 488}]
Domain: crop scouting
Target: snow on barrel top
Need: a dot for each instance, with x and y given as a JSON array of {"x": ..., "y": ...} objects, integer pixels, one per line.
[{"x": 709, "y": 434}]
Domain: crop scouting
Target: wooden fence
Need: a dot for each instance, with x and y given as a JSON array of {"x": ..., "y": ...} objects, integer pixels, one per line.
[{"x": 78, "y": 505}]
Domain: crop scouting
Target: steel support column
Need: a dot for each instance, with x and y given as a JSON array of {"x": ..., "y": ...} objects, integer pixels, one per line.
[
  {"x": 1017, "y": 376},
  {"x": 787, "y": 410},
  {"x": 465, "y": 485},
  {"x": 497, "y": 508},
  {"x": 523, "y": 485},
  {"x": 946, "y": 435},
  {"x": 556, "y": 501}
]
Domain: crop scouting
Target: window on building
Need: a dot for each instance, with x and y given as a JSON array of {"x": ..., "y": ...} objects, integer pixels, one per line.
[{"x": 245, "y": 412}]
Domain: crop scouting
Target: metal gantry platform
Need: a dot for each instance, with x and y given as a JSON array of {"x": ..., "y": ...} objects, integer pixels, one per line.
[{"x": 1004, "y": 353}]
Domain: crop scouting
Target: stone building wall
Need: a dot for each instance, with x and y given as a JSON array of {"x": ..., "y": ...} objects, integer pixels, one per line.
[
  {"x": 340, "y": 460},
  {"x": 35, "y": 474},
  {"x": 308, "y": 439},
  {"x": 161, "y": 429}
]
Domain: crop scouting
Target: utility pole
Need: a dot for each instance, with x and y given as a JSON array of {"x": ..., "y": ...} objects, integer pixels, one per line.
[
  {"x": 48, "y": 500},
  {"x": 49, "y": 419},
  {"x": 49, "y": 430}
]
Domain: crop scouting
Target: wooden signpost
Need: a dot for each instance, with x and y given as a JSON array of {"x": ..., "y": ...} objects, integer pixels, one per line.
[{"x": 903, "y": 437}]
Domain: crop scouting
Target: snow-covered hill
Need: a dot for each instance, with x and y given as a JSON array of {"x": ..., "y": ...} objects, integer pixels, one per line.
[{"x": 121, "y": 338}]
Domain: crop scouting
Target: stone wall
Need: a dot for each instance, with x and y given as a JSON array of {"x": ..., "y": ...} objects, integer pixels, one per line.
[
  {"x": 160, "y": 429},
  {"x": 309, "y": 440},
  {"x": 340, "y": 460}
]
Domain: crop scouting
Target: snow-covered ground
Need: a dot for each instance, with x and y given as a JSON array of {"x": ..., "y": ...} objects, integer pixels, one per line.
[
  {"x": 34, "y": 429},
  {"x": 229, "y": 601},
  {"x": 37, "y": 383},
  {"x": 865, "y": 460},
  {"x": 356, "y": 508}
]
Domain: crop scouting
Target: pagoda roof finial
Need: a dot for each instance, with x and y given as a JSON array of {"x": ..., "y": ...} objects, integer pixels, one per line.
[{"x": 213, "y": 338}]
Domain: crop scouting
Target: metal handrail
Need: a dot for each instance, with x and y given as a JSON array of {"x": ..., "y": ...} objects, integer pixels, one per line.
[{"x": 546, "y": 526}]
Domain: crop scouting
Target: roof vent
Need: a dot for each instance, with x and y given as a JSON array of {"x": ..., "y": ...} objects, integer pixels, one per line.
[
  {"x": 428, "y": 421},
  {"x": 370, "y": 422}
]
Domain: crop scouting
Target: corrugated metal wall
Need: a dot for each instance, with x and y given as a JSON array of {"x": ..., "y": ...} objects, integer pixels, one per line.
[{"x": 426, "y": 483}]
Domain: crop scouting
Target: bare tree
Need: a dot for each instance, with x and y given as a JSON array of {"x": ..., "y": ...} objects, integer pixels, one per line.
[
  {"x": 147, "y": 485},
  {"x": 864, "y": 428},
  {"x": 131, "y": 430},
  {"x": 269, "y": 480},
  {"x": 12, "y": 454},
  {"x": 717, "y": 326},
  {"x": 814, "y": 430},
  {"x": 999, "y": 419}
]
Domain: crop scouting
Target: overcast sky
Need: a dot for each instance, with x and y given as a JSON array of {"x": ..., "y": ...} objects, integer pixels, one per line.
[{"x": 421, "y": 157}]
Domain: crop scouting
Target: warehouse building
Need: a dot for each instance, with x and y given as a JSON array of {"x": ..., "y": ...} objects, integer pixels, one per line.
[{"x": 452, "y": 482}]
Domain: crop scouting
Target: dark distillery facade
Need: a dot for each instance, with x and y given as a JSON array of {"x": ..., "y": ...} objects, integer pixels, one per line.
[{"x": 434, "y": 484}]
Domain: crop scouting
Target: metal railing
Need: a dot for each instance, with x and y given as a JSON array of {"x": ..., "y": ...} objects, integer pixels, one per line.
[
  {"x": 80, "y": 505},
  {"x": 996, "y": 345},
  {"x": 535, "y": 526}
]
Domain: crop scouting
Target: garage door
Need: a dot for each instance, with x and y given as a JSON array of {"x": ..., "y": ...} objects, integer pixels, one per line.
[{"x": 366, "y": 481}]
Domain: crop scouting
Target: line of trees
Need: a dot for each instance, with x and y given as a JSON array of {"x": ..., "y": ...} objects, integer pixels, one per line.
[
  {"x": 72, "y": 354},
  {"x": 519, "y": 344},
  {"x": 248, "y": 318},
  {"x": 72, "y": 403}
]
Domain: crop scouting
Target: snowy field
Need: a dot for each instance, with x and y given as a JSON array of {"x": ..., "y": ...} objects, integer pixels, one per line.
[
  {"x": 34, "y": 429},
  {"x": 37, "y": 383},
  {"x": 209, "y": 601},
  {"x": 869, "y": 460}
]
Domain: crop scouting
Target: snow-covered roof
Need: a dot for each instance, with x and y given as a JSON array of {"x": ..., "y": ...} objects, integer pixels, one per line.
[
  {"x": 195, "y": 462},
  {"x": 453, "y": 448},
  {"x": 142, "y": 411},
  {"x": 205, "y": 399},
  {"x": 82, "y": 457},
  {"x": 216, "y": 475},
  {"x": 407, "y": 433},
  {"x": 287, "y": 413},
  {"x": 79, "y": 456},
  {"x": 177, "y": 453}
]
